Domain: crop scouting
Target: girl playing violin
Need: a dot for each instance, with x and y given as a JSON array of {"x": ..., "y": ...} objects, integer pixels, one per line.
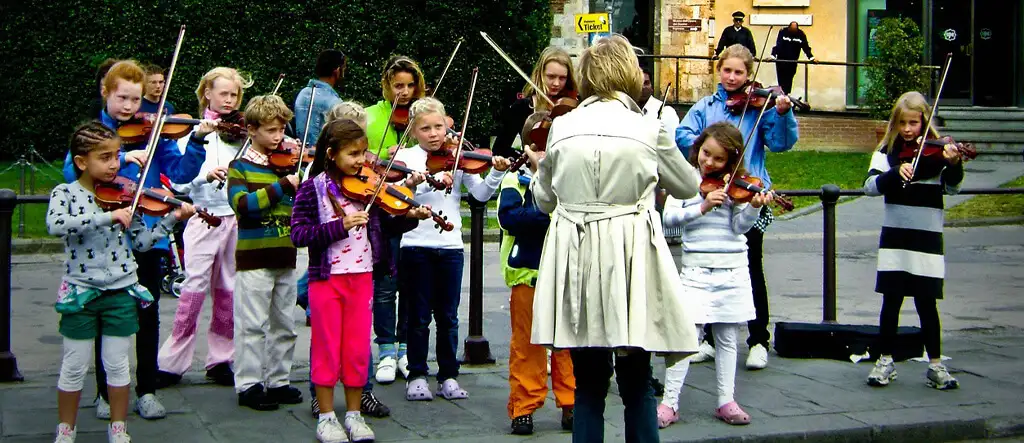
[
  {"x": 910, "y": 261},
  {"x": 100, "y": 293},
  {"x": 342, "y": 261},
  {"x": 777, "y": 131},
  {"x": 553, "y": 71},
  {"x": 122, "y": 92},
  {"x": 714, "y": 269},
  {"x": 402, "y": 80},
  {"x": 209, "y": 251},
  {"x": 431, "y": 262}
]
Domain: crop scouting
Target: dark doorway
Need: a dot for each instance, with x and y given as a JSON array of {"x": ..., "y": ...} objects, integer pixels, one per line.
[{"x": 995, "y": 52}]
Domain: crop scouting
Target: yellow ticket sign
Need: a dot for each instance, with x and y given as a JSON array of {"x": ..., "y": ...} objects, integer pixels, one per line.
[{"x": 589, "y": 23}]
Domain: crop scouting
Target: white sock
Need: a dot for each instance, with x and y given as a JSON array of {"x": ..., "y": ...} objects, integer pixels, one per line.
[
  {"x": 327, "y": 416},
  {"x": 352, "y": 414}
]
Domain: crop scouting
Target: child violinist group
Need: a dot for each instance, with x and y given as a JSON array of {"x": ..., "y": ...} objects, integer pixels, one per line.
[{"x": 272, "y": 224}]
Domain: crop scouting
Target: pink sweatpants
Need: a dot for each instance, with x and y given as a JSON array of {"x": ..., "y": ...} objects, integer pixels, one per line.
[
  {"x": 209, "y": 266},
  {"x": 342, "y": 315}
]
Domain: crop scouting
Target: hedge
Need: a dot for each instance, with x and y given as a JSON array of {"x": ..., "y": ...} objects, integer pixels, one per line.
[{"x": 50, "y": 50}]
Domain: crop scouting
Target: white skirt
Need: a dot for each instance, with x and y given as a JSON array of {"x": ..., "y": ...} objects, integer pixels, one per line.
[{"x": 719, "y": 295}]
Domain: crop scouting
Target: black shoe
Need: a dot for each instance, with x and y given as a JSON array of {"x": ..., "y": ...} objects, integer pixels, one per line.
[
  {"x": 567, "y": 417},
  {"x": 221, "y": 374},
  {"x": 314, "y": 405},
  {"x": 370, "y": 405},
  {"x": 522, "y": 425},
  {"x": 659, "y": 387},
  {"x": 167, "y": 379},
  {"x": 285, "y": 395},
  {"x": 257, "y": 399}
]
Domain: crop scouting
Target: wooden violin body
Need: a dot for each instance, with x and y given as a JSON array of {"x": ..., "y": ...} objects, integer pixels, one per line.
[
  {"x": 473, "y": 162},
  {"x": 120, "y": 193},
  {"x": 395, "y": 200},
  {"x": 285, "y": 158},
  {"x": 742, "y": 190},
  {"x": 231, "y": 126}
]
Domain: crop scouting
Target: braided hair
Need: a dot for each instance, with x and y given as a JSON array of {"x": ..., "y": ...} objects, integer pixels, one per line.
[{"x": 87, "y": 137}]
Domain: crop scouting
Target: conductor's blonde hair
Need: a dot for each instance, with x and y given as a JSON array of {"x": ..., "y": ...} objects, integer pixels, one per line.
[{"x": 608, "y": 67}]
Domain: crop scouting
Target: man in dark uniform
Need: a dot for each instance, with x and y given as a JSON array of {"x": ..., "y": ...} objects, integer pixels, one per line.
[
  {"x": 787, "y": 47},
  {"x": 736, "y": 34}
]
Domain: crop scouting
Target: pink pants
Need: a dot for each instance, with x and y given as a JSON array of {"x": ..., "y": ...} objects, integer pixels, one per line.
[
  {"x": 209, "y": 266},
  {"x": 342, "y": 309}
]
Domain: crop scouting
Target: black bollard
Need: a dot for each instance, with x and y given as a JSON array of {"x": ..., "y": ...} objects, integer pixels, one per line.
[
  {"x": 8, "y": 363},
  {"x": 829, "y": 197},
  {"x": 477, "y": 350}
]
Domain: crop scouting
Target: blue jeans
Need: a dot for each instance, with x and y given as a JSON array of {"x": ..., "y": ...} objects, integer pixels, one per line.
[
  {"x": 303, "y": 297},
  {"x": 385, "y": 296},
  {"x": 593, "y": 370},
  {"x": 431, "y": 284}
]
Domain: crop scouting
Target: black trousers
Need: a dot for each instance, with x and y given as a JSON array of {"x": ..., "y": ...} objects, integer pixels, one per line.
[
  {"x": 786, "y": 72},
  {"x": 593, "y": 368},
  {"x": 147, "y": 340},
  {"x": 889, "y": 320},
  {"x": 758, "y": 327}
]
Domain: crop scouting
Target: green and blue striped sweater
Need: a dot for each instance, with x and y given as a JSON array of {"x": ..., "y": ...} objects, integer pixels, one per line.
[{"x": 263, "y": 204}]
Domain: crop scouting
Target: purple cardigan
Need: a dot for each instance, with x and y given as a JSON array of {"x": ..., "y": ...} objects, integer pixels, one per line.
[{"x": 308, "y": 232}]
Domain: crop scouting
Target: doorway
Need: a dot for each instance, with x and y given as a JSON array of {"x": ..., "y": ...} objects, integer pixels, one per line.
[{"x": 983, "y": 37}]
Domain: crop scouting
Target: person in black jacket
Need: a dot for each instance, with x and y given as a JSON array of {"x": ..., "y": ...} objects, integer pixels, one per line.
[
  {"x": 736, "y": 34},
  {"x": 787, "y": 47}
]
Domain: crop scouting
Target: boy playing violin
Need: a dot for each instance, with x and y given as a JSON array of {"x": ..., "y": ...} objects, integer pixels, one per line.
[
  {"x": 267, "y": 276},
  {"x": 122, "y": 92}
]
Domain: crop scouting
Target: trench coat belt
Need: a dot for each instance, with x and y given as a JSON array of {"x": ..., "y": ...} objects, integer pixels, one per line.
[{"x": 578, "y": 254}]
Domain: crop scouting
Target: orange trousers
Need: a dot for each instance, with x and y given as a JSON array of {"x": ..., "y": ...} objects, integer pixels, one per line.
[{"x": 527, "y": 363}]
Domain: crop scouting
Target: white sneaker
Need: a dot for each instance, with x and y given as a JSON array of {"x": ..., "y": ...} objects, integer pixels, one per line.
[
  {"x": 102, "y": 408},
  {"x": 118, "y": 433},
  {"x": 758, "y": 357},
  {"x": 386, "y": 370},
  {"x": 330, "y": 431},
  {"x": 403, "y": 366},
  {"x": 705, "y": 352},
  {"x": 65, "y": 433},
  {"x": 149, "y": 407},
  {"x": 357, "y": 429}
]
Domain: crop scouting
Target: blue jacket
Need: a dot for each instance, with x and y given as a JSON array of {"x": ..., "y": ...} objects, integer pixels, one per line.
[
  {"x": 168, "y": 160},
  {"x": 326, "y": 98},
  {"x": 777, "y": 132},
  {"x": 524, "y": 226}
]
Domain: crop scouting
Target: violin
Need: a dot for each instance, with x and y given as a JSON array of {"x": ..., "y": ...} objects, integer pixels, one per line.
[
  {"x": 285, "y": 157},
  {"x": 473, "y": 162},
  {"x": 743, "y": 189},
  {"x": 120, "y": 193},
  {"x": 395, "y": 200},
  {"x": 935, "y": 147},
  {"x": 759, "y": 97},
  {"x": 176, "y": 126},
  {"x": 400, "y": 117},
  {"x": 399, "y": 170},
  {"x": 539, "y": 131}
]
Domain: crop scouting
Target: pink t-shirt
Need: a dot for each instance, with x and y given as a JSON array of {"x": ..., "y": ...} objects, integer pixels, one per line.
[{"x": 351, "y": 255}]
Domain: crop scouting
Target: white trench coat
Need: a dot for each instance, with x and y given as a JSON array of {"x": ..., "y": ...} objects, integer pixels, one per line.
[{"x": 606, "y": 277}]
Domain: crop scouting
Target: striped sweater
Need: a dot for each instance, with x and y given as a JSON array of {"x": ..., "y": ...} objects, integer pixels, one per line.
[
  {"x": 715, "y": 239},
  {"x": 910, "y": 249},
  {"x": 263, "y": 205}
]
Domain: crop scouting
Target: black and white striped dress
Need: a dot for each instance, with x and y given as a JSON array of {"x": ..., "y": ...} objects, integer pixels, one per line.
[{"x": 910, "y": 249}]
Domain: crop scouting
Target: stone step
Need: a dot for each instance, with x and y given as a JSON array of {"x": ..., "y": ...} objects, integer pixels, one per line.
[
  {"x": 1015, "y": 137},
  {"x": 983, "y": 125},
  {"x": 980, "y": 113}
]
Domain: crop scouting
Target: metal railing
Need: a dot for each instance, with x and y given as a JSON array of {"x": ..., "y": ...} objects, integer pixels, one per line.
[
  {"x": 476, "y": 347},
  {"x": 806, "y": 63}
]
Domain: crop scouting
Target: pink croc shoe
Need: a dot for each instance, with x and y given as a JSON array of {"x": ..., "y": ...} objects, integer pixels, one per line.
[
  {"x": 666, "y": 416},
  {"x": 732, "y": 414}
]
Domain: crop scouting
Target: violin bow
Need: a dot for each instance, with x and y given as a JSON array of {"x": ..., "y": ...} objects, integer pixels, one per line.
[
  {"x": 158, "y": 125},
  {"x": 465, "y": 122},
  {"x": 928, "y": 124},
  {"x": 248, "y": 138},
  {"x": 305, "y": 132},
  {"x": 664, "y": 98},
  {"x": 540, "y": 92},
  {"x": 754, "y": 78},
  {"x": 448, "y": 65}
]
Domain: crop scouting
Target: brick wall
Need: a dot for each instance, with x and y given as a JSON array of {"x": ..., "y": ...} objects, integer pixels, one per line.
[{"x": 837, "y": 133}]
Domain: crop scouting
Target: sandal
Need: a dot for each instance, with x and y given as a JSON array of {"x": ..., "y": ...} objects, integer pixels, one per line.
[
  {"x": 450, "y": 390},
  {"x": 418, "y": 390},
  {"x": 732, "y": 414},
  {"x": 666, "y": 416}
]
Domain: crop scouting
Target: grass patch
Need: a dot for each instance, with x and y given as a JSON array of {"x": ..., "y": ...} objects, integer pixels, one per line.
[
  {"x": 811, "y": 169},
  {"x": 35, "y": 215},
  {"x": 984, "y": 206}
]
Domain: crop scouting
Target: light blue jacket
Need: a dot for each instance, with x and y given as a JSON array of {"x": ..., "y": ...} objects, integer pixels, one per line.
[
  {"x": 326, "y": 98},
  {"x": 777, "y": 132}
]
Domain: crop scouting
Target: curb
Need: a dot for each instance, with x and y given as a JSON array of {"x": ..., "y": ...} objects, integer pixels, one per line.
[
  {"x": 807, "y": 210},
  {"x": 987, "y": 221},
  {"x": 24, "y": 246}
]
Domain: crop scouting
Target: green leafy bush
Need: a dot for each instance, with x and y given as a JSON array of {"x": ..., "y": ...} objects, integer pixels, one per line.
[
  {"x": 50, "y": 51},
  {"x": 896, "y": 68}
]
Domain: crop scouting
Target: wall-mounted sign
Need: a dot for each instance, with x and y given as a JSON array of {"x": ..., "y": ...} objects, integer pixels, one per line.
[
  {"x": 949, "y": 34},
  {"x": 985, "y": 34},
  {"x": 684, "y": 24},
  {"x": 588, "y": 23},
  {"x": 780, "y": 19},
  {"x": 782, "y": 3}
]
